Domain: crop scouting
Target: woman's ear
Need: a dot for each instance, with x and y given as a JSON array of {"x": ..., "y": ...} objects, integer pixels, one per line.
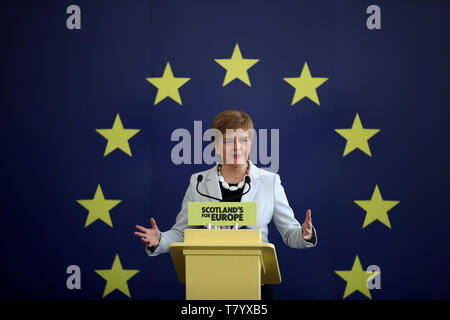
[
  {"x": 217, "y": 152},
  {"x": 218, "y": 156}
]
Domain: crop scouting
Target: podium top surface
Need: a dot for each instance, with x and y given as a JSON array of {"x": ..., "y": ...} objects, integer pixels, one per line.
[
  {"x": 241, "y": 242},
  {"x": 222, "y": 235}
]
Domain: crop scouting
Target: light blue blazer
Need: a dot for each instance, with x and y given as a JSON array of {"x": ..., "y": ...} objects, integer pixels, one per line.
[{"x": 266, "y": 191}]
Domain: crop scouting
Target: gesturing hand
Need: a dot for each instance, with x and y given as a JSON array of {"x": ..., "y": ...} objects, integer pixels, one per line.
[
  {"x": 307, "y": 227},
  {"x": 150, "y": 236}
]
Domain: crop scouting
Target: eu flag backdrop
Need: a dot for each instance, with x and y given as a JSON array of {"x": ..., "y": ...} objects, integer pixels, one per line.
[{"x": 367, "y": 149}]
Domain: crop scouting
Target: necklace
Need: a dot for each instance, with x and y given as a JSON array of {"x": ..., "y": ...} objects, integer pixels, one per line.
[{"x": 225, "y": 184}]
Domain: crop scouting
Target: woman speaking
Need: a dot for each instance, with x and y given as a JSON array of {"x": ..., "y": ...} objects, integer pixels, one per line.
[{"x": 227, "y": 180}]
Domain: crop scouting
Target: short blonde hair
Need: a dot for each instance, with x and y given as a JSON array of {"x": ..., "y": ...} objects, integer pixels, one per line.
[{"x": 232, "y": 119}]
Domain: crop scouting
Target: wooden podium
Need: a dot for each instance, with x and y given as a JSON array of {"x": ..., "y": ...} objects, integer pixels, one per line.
[{"x": 224, "y": 264}]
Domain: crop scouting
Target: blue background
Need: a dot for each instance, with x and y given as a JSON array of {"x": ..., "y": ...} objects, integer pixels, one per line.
[{"x": 59, "y": 85}]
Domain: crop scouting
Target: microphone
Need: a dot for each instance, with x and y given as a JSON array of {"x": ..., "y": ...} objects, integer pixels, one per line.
[
  {"x": 199, "y": 179},
  {"x": 247, "y": 181}
]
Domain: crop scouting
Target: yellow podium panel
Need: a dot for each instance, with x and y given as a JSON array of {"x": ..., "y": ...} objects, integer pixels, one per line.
[
  {"x": 224, "y": 264},
  {"x": 223, "y": 275}
]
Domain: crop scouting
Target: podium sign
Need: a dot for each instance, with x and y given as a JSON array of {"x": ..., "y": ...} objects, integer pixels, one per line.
[{"x": 222, "y": 213}]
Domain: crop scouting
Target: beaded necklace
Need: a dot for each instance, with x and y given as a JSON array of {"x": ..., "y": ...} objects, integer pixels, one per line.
[{"x": 225, "y": 184}]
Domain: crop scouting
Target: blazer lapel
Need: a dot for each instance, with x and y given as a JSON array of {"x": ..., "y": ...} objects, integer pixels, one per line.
[
  {"x": 254, "y": 181},
  {"x": 212, "y": 184}
]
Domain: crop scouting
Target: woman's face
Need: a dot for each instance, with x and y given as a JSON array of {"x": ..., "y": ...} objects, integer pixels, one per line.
[{"x": 234, "y": 147}]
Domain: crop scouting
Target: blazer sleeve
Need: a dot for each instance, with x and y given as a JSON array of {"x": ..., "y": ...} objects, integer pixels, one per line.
[
  {"x": 176, "y": 233},
  {"x": 283, "y": 217}
]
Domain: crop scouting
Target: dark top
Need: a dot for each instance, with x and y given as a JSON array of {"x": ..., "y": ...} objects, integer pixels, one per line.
[{"x": 226, "y": 193}]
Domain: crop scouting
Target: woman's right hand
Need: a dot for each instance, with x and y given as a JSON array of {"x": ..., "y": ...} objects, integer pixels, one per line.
[{"x": 150, "y": 236}]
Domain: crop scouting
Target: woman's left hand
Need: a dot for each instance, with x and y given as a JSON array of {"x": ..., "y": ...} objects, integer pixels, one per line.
[{"x": 307, "y": 227}]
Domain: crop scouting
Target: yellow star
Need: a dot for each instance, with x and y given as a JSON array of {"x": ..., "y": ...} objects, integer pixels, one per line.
[
  {"x": 305, "y": 86},
  {"x": 117, "y": 137},
  {"x": 116, "y": 278},
  {"x": 99, "y": 208},
  {"x": 376, "y": 208},
  {"x": 168, "y": 86},
  {"x": 357, "y": 137},
  {"x": 236, "y": 67},
  {"x": 356, "y": 279}
]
